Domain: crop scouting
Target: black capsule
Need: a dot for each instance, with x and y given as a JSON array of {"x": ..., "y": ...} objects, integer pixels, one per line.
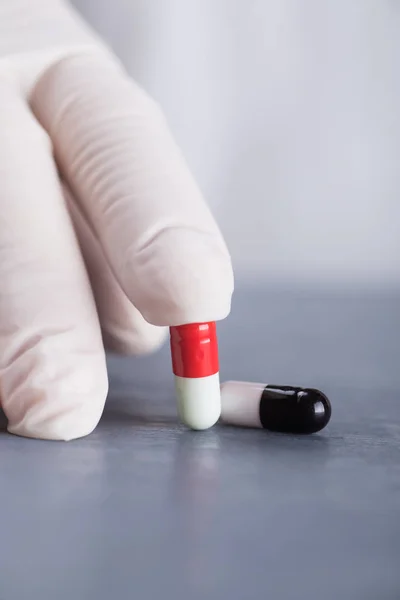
[
  {"x": 283, "y": 408},
  {"x": 294, "y": 409}
]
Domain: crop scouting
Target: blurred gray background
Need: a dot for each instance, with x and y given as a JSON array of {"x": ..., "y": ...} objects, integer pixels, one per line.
[{"x": 288, "y": 114}]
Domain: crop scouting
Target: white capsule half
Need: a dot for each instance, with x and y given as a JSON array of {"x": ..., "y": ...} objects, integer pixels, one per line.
[
  {"x": 240, "y": 403},
  {"x": 198, "y": 400}
]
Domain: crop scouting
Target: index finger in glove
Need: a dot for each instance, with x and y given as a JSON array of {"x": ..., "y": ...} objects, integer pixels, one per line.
[{"x": 115, "y": 150}]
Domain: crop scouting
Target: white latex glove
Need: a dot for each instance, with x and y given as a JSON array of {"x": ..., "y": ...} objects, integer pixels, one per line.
[{"x": 120, "y": 200}]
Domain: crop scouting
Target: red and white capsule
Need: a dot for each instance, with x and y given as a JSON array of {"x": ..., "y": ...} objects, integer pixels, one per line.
[{"x": 194, "y": 351}]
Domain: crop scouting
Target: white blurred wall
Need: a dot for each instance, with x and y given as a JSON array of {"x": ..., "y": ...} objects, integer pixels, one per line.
[{"x": 288, "y": 112}]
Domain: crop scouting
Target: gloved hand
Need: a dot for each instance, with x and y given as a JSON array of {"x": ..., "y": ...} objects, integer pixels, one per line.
[{"x": 119, "y": 223}]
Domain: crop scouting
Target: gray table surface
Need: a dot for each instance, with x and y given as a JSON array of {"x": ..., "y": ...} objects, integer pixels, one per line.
[{"x": 145, "y": 509}]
